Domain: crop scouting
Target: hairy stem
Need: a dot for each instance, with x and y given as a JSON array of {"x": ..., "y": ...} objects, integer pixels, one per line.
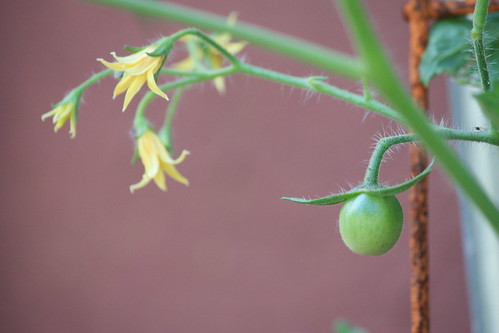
[
  {"x": 384, "y": 144},
  {"x": 315, "y": 84},
  {"x": 94, "y": 79},
  {"x": 165, "y": 133},
  {"x": 195, "y": 32},
  {"x": 479, "y": 18}
]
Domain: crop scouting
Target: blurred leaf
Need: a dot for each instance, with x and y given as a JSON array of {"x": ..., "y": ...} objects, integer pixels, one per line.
[
  {"x": 342, "y": 326},
  {"x": 489, "y": 101},
  {"x": 450, "y": 50}
]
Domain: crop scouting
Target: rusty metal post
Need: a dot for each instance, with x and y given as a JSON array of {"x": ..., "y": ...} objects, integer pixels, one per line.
[{"x": 417, "y": 12}]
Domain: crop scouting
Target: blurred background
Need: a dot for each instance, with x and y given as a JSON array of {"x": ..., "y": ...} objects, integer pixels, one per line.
[{"x": 79, "y": 253}]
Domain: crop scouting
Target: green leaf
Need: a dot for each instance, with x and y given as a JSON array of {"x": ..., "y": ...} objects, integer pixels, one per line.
[
  {"x": 489, "y": 102},
  {"x": 377, "y": 190},
  {"x": 341, "y": 326},
  {"x": 449, "y": 50}
]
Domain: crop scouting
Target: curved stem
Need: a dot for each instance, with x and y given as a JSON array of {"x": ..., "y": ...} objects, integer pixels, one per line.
[
  {"x": 198, "y": 33},
  {"x": 384, "y": 144}
]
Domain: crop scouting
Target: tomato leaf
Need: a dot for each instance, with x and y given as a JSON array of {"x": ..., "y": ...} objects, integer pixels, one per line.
[{"x": 449, "y": 50}]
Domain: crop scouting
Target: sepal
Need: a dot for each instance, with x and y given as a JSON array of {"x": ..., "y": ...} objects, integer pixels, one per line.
[
  {"x": 372, "y": 189},
  {"x": 133, "y": 49},
  {"x": 163, "y": 49}
]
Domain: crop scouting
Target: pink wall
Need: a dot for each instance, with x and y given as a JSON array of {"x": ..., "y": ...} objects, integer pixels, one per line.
[{"x": 81, "y": 254}]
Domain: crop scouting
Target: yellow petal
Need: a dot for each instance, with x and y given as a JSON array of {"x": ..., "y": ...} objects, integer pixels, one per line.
[
  {"x": 159, "y": 179},
  {"x": 50, "y": 113},
  {"x": 132, "y": 58},
  {"x": 113, "y": 65},
  {"x": 144, "y": 65},
  {"x": 60, "y": 122},
  {"x": 151, "y": 83},
  {"x": 160, "y": 150},
  {"x": 235, "y": 48},
  {"x": 223, "y": 38},
  {"x": 180, "y": 159},
  {"x": 172, "y": 172},
  {"x": 123, "y": 85},
  {"x": 232, "y": 18},
  {"x": 148, "y": 155},
  {"x": 134, "y": 88},
  {"x": 216, "y": 60},
  {"x": 186, "y": 38},
  {"x": 219, "y": 83},
  {"x": 185, "y": 65},
  {"x": 62, "y": 115},
  {"x": 72, "y": 126},
  {"x": 143, "y": 182}
]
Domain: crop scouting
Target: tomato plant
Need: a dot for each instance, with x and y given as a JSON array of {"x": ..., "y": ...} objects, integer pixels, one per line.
[{"x": 371, "y": 225}]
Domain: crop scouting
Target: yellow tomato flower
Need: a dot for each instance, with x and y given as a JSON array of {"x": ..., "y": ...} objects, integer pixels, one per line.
[
  {"x": 156, "y": 160},
  {"x": 61, "y": 114},
  {"x": 138, "y": 69},
  {"x": 201, "y": 53}
]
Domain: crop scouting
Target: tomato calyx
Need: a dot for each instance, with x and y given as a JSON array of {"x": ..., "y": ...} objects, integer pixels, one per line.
[{"x": 367, "y": 188}]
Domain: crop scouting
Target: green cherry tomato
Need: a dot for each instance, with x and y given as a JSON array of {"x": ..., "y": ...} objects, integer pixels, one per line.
[{"x": 371, "y": 225}]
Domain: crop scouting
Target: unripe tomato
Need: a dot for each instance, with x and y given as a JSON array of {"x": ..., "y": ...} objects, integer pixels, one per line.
[{"x": 371, "y": 225}]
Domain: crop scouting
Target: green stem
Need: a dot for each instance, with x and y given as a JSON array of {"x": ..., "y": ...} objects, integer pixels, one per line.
[
  {"x": 479, "y": 18},
  {"x": 317, "y": 84},
  {"x": 149, "y": 96},
  {"x": 384, "y": 144},
  {"x": 195, "y": 32},
  {"x": 311, "y": 53},
  {"x": 382, "y": 75},
  {"x": 174, "y": 72},
  {"x": 367, "y": 92},
  {"x": 94, "y": 79},
  {"x": 310, "y": 83},
  {"x": 165, "y": 132}
]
